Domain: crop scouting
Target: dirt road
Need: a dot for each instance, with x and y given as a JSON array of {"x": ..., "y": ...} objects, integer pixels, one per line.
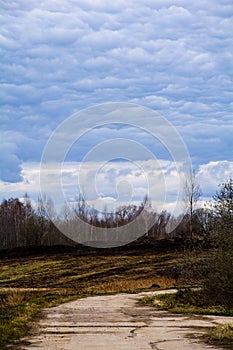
[{"x": 117, "y": 322}]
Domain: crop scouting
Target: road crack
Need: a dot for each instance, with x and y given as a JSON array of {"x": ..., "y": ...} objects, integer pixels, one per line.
[{"x": 133, "y": 332}]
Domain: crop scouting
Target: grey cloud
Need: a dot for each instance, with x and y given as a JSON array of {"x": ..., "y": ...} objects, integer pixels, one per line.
[
  {"x": 10, "y": 162},
  {"x": 59, "y": 57}
]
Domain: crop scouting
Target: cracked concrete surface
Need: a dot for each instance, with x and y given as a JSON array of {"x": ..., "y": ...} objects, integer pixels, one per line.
[{"x": 117, "y": 322}]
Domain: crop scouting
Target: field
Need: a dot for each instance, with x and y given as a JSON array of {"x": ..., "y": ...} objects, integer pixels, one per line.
[{"x": 35, "y": 278}]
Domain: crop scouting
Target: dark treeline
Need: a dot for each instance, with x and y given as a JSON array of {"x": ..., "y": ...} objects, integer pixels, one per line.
[{"x": 23, "y": 225}]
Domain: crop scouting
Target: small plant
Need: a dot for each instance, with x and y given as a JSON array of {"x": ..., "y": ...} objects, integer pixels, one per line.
[{"x": 13, "y": 298}]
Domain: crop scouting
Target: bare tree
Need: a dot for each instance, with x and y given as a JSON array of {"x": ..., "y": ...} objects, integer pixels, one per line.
[{"x": 192, "y": 193}]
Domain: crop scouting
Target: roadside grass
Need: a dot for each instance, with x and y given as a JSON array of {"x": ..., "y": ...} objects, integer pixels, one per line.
[
  {"x": 186, "y": 302},
  {"x": 30, "y": 283},
  {"x": 194, "y": 302},
  {"x": 19, "y": 309},
  {"x": 221, "y": 335}
]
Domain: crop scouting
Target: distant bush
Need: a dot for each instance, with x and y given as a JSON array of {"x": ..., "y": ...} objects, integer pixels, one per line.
[
  {"x": 218, "y": 284},
  {"x": 213, "y": 269}
]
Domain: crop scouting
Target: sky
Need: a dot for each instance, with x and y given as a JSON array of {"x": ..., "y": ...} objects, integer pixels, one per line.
[{"x": 60, "y": 58}]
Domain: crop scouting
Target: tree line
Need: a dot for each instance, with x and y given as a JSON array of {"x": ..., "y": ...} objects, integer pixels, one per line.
[{"x": 22, "y": 224}]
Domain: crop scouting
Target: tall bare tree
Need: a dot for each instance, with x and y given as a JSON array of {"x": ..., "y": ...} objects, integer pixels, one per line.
[{"x": 192, "y": 194}]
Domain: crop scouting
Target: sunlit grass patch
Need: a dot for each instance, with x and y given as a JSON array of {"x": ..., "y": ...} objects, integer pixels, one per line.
[
  {"x": 21, "y": 269},
  {"x": 119, "y": 284},
  {"x": 222, "y": 335},
  {"x": 186, "y": 302}
]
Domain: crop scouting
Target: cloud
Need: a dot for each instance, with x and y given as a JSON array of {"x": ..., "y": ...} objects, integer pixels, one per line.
[
  {"x": 213, "y": 174},
  {"x": 113, "y": 184},
  {"x": 171, "y": 56},
  {"x": 124, "y": 182}
]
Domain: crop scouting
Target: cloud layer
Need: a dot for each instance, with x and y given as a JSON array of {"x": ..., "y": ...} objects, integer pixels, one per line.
[
  {"x": 114, "y": 184},
  {"x": 57, "y": 58}
]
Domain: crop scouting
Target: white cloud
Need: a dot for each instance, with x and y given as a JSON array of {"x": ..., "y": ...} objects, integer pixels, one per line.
[
  {"x": 118, "y": 183},
  {"x": 213, "y": 174}
]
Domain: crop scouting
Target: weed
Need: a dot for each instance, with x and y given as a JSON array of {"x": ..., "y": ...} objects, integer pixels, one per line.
[{"x": 221, "y": 335}]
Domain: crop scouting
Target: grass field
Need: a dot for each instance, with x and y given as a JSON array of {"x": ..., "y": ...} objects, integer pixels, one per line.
[{"x": 36, "y": 278}]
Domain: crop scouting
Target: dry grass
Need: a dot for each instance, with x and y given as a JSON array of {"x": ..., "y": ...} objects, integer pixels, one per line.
[
  {"x": 132, "y": 285},
  {"x": 82, "y": 269},
  {"x": 222, "y": 335},
  {"x": 13, "y": 298},
  {"x": 29, "y": 283}
]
